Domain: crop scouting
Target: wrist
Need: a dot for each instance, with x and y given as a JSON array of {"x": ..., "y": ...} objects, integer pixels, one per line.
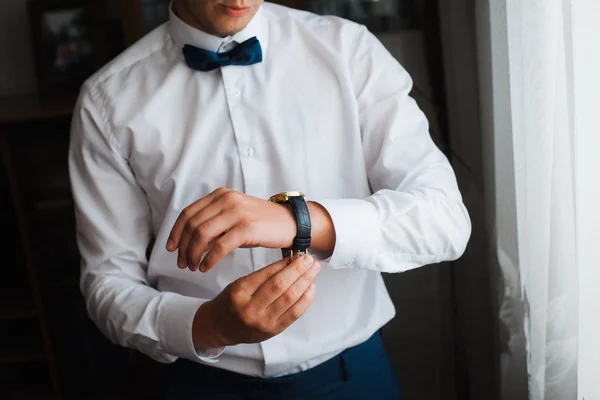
[
  {"x": 204, "y": 334},
  {"x": 322, "y": 230},
  {"x": 297, "y": 209}
]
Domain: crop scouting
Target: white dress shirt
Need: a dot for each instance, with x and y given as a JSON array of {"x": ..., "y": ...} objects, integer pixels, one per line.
[{"x": 327, "y": 113}]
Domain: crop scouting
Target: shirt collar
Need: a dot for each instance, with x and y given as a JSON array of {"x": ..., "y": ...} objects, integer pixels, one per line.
[{"x": 183, "y": 33}]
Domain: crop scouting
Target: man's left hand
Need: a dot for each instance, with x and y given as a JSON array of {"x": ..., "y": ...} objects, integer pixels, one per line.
[{"x": 224, "y": 221}]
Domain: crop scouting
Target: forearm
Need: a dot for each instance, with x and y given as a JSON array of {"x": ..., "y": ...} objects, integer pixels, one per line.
[
  {"x": 425, "y": 226},
  {"x": 134, "y": 315},
  {"x": 395, "y": 231}
]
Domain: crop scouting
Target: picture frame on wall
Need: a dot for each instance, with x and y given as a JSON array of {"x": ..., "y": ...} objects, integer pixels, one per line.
[
  {"x": 66, "y": 44},
  {"x": 156, "y": 12},
  {"x": 379, "y": 16}
]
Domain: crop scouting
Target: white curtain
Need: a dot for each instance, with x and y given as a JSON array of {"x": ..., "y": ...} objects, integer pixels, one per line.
[
  {"x": 542, "y": 125},
  {"x": 586, "y": 67},
  {"x": 539, "y": 34}
]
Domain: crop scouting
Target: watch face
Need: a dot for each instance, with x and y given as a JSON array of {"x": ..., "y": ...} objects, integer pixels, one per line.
[{"x": 293, "y": 194}]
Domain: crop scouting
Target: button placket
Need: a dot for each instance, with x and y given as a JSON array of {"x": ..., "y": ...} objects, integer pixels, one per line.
[{"x": 233, "y": 81}]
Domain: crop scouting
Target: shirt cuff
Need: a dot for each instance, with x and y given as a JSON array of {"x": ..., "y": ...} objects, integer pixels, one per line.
[
  {"x": 357, "y": 232},
  {"x": 175, "y": 320}
]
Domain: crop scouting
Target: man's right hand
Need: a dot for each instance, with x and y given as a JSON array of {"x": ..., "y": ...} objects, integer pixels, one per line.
[{"x": 258, "y": 306}]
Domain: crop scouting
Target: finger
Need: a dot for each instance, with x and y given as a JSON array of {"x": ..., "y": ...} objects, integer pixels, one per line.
[
  {"x": 279, "y": 283},
  {"x": 225, "y": 238},
  {"x": 294, "y": 292},
  {"x": 186, "y": 214},
  {"x": 212, "y": 243},
  {"x": 297, "y": 310},
  {"x": 194, "y": 228},
  {"x": 252, "y": 282}
]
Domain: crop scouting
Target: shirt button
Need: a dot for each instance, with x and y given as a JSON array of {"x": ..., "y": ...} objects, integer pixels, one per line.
[
  {"x": 237, "y": 92},
  {"x": 250, "y": 151}
]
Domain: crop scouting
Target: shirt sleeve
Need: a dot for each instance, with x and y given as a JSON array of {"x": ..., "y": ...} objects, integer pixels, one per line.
[
  {"x": 114, "y": 230},
  {"x": 415, "y": 215}
]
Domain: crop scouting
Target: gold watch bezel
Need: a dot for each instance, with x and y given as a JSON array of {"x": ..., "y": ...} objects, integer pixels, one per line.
[{"x": 284, "y": 197}]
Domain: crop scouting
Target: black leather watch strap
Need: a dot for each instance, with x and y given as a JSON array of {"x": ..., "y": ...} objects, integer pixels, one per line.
[{"x": 300, "y": 209}]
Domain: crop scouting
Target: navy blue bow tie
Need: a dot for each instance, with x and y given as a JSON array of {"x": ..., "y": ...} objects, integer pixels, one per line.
[{"x": 246, "y": 53}]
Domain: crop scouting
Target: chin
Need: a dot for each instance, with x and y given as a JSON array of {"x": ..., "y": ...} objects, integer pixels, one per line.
[{"x": 230, "y": 27}]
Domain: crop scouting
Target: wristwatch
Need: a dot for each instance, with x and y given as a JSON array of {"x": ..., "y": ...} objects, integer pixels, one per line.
[{"x": 297, "y": 201}]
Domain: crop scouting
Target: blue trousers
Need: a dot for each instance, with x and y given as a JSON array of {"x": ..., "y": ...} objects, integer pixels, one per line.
[{"x": 359, "y": 373}]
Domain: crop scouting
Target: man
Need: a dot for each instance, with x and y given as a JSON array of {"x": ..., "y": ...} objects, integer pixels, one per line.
[{"x": 182, "y": 141}]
